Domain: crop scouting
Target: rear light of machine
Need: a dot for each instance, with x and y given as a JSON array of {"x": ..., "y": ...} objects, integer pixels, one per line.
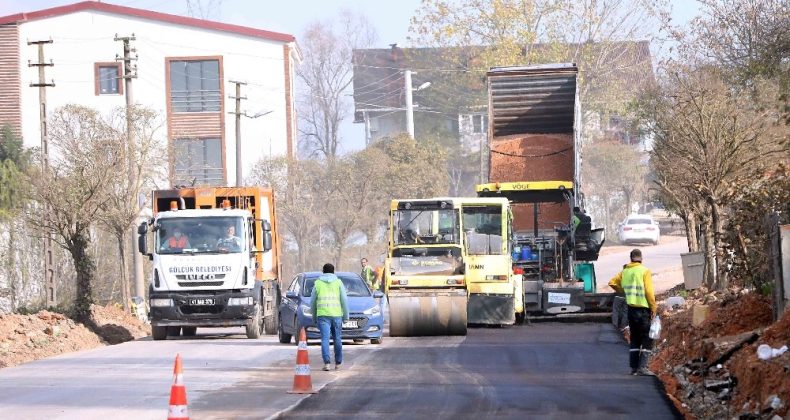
[
  {"x": 399, "y": 282},
  {"x": 452, "y": 282},
  {"x": 518, "y": 270},
  {"x": 496, "y": 277}
]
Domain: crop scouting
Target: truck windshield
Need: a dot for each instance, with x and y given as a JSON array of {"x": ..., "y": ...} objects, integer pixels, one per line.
[
  {"x": 413, "y": 227},
  {"x": 439, "y": 261},
  {"x": 200, "y": 235},
  {"x": 483, "y": 230}
]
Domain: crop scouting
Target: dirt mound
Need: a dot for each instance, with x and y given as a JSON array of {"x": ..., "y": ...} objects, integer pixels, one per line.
[
  {"x": 710, "y": 371},
  {"x": 116, "y": 326},
  {"x": 24, "y": 338}
]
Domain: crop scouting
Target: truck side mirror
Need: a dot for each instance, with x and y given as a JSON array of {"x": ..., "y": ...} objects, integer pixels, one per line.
[
  {"x": 267, "y": 227},
  {"x": 267, "y": 240},
  {"x": 142, "y": 244},
  {"x": 143, "y": 228}
]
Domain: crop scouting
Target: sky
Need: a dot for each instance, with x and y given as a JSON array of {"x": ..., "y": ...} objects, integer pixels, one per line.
[{"x": 389, "y": 17}]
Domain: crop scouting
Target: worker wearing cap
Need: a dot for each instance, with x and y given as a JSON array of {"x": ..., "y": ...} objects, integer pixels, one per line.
[{"x": 636, "y": 283}]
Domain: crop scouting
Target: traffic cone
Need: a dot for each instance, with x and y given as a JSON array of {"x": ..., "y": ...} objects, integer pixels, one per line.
[
  {"x": 302, "y": 382},
  {"x": 178, "y": 394}
]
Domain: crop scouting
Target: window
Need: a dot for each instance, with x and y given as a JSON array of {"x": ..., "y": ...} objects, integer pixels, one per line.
[
  {"x": 483, "y": 230},
  {"x": 108, "y": 78},
  {"x": 198, "y": 161},
  {"x": 195, "y": 86},
  {"x": 479, "y": 123}
]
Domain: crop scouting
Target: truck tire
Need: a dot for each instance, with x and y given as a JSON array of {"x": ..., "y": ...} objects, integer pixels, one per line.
[
  {"x": 189, "y": 331},
  {"x": 270, "y": 320},
  {"x": 256, "y": 323},
  {"x": 158, "y": 333}
]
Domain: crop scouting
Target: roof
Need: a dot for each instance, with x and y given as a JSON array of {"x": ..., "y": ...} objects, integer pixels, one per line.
[
  {"x": 379, "y": 81},
  {"x": 312, "y": 274},
  {"x": 145, "y": 14}
]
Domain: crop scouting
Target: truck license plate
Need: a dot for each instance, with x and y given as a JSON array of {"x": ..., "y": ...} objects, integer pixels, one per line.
[
  {"x": 559, "y": 298},
  {"x": 350, "y": 324},
  {"x": 201, "y": 301}
]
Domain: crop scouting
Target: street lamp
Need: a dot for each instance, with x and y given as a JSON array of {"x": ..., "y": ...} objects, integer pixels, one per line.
[{"x": 409, "y": 101}]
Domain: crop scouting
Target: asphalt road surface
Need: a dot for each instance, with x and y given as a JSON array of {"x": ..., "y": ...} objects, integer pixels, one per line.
[
  {"x": 658, "y": 258},
  {"x": 546, "y": 370}
]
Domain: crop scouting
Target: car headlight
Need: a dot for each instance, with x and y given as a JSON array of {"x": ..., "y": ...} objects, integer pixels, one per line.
[
  {"x": 306, "y": 311},
  {"x": 372, "y": 311}
]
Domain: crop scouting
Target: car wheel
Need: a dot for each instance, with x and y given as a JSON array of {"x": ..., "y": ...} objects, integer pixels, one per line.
[
  {"x": 655, "y": 242},
  {"x": 173, "y": 331},
  {"x": 376, "y": 340},
  {"x": 189, "y": 331},
  {"x": 281, "y": 335},
  {"x": 158, "y": 333}
]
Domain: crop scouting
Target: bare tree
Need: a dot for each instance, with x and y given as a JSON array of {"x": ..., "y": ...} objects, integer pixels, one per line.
[
  {"x": 325, "y": 75},
  {"x": 74, "y": 189},
  {"x": 717, "y": 139},
  {"x": 120, "y": 207},
  {"x": 204, "y": 9}
]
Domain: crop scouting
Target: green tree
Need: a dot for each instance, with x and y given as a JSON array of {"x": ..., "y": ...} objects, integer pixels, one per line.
[
  {"x": 74, "y": 189},
  {"x": 14, "y": 159}
]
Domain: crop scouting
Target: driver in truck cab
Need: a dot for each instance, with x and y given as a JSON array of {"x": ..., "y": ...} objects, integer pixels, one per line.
[
  {"x": 177, "y": 241},
  {"x": 230, "y": 241}
]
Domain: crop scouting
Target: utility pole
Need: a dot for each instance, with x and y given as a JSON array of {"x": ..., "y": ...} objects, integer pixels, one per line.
[
  {"x": 49, "y": 257},
  {"x": 409, "y": 104},
  {"x": 129, "y": 73},
  {"x": 238, "y": 115}
]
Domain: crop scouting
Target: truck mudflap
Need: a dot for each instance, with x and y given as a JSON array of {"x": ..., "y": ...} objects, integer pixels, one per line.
[
  {"x": 204, "y": 308},
  {"x": 427, "y": 312},
  {"x": 491, "y": 309}
]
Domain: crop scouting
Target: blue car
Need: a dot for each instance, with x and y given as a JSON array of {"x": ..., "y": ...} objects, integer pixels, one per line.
[{"x": 366, "y": 320}]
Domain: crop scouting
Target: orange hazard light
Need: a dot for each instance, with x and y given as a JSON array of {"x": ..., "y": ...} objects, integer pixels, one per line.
[{"x": 173, "y": 205}]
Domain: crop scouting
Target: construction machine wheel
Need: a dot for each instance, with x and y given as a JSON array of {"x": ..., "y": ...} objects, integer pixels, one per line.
[
  {"x": 158, "y": 333},
  {"x": 520, "y": 317},
  {"x": 427, "y": 312}
]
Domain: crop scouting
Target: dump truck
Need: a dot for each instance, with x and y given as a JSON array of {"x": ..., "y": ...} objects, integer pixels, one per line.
[
  {"x": 534, "y": 162},
  {"x": 448, "y": 265},
  {"x": 215, "y": 260}
]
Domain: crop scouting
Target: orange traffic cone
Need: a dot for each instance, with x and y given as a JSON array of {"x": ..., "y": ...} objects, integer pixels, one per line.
[
  {"x": 302, "y": 382},
  {"x": 178, "y": 394}
]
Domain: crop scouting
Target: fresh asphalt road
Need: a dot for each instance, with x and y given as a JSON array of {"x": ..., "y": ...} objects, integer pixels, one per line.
[
  {"x": 661, "y": 257},
  {"x": 546, "y": 370}
]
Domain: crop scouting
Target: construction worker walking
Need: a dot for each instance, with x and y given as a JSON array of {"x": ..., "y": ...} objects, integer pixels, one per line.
[
  {"x": 368, "y": 274},
  {"x": 329, "y": 308},
  {"x": 636, "y": 283}
]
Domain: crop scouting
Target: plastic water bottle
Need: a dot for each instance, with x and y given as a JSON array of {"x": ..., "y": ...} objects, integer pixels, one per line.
[{"x": 655, "y": 328}]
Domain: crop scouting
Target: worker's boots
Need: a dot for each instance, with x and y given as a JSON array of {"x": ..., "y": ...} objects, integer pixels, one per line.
[{"x": 644, "y": 357}]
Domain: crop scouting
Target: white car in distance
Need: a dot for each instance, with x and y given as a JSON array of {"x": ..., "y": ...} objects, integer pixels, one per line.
[{"x": 638, "y": 228}]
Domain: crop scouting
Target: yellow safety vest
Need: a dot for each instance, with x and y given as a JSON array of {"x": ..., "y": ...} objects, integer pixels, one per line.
[
  {"x": 634, "y": 286},
  {"x": 327, "y": 298}
]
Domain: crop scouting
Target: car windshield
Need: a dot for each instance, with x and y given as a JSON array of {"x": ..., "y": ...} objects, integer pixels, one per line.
[
  {"x": 354, "y": 286},
  {"x": 205, "y": 235},
  {"x": 425, "y": 227},
  {"x": 639, "y": 222}
]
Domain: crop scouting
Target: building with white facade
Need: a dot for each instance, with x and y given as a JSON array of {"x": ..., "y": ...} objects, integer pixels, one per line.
[{"x": 183, "y": 67}]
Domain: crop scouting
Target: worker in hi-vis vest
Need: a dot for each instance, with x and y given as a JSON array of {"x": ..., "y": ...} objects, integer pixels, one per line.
[
  {"x": 329, "y": 308},
  {"x": 636, "y": 283}
]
